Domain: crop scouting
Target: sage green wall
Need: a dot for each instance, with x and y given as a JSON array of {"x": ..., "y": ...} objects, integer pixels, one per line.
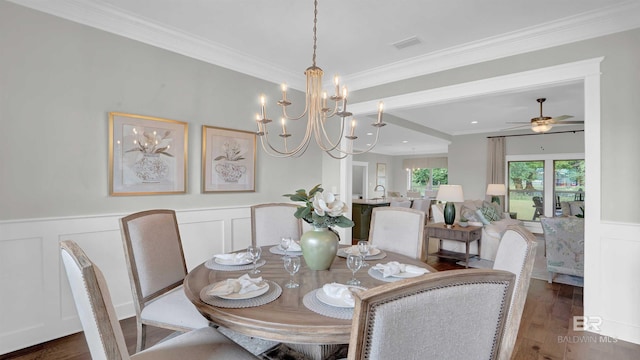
[
  {"x": 620, "y": 108},
  {"x": 59, "y": 80}
]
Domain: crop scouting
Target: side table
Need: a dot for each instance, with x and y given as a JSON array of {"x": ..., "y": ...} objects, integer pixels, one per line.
[{"x": 456, "y": 233}]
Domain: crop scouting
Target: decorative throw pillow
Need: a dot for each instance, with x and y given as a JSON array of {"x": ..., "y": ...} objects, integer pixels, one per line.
[
  {"x": 490, "y": 213},
  {"x": 482, "y": 218},
  {"x": 469, "y": 214},
  {"x": 575, "y": 207}
]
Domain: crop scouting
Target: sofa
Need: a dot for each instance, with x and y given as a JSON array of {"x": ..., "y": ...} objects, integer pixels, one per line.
[
  {"x": 492, "y": 229},
  {"x": 571, "y": 208},
  {"x": 564, "y": 245}
]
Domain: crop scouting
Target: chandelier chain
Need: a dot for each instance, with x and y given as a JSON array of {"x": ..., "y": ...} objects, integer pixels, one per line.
[
  {"x": 318, "y": 111},
  {"x": 315, "y": 30}
]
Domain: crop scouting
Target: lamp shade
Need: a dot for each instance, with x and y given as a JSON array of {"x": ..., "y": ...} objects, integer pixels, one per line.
[
  {"x": 496, "y": 189},
  {"x": 451, "y": 193}
]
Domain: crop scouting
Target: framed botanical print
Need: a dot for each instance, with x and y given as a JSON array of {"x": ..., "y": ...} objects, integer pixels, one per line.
[
  {"x": 228, "y": 160},
  {"x": 147, "y": 155}
]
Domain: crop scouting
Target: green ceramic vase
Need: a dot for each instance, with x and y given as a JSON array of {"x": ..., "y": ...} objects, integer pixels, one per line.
[{"x": 319, "y": 248}]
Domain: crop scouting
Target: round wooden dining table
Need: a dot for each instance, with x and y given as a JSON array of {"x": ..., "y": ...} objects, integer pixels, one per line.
[{"x": 286, "y": 319}]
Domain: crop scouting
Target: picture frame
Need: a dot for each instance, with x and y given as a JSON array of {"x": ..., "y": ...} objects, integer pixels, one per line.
[
  {"x": 147, "y": 155},
  {"x": 228, "y": 160}
]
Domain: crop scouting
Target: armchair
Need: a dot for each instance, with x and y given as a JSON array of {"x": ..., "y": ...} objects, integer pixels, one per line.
[{"x": 564, "y": 243}]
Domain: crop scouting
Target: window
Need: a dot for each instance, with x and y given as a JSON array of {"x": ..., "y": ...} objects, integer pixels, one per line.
[
  {"x": 526, "y": 189},
  {"x": 538, "y": 183},
  {"x": 427, "y": 179},
  {"x": 568, "y": 181}
]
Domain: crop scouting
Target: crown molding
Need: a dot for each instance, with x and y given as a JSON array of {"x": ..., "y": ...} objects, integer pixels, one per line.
[
  {"x": 600, "y": 22},
  {"x": 588, "y": 25}
]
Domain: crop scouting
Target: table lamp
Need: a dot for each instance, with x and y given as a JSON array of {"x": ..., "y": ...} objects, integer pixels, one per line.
[
  {"x": 450, "y": 194},
  {"x": 496, "y": 190}
]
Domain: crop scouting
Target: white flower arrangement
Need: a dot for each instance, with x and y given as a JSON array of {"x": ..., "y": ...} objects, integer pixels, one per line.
[{"x": 320, "y": 209}]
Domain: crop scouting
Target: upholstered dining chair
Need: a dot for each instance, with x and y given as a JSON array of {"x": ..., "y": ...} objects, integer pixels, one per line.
[
  {"x": 156, "y": 266},
  {"x": 271, "y": 222},
  {"x": 400, "y": 203},
  {"x": 399, "y": 230},
  {"x": 103, "y": 332},
  {"x": 516, "y": 254},
  {"x": 422, "y": 205},
  {"x": 466, "y": 315}
]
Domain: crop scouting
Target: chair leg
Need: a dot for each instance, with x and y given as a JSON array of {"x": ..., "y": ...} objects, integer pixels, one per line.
[
  {"x": 550, "y": 277},
  {"x": 142, "y": 336}
]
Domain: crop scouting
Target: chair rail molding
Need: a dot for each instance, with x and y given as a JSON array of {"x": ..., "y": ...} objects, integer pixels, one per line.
[{"x": 36, "y": 303}]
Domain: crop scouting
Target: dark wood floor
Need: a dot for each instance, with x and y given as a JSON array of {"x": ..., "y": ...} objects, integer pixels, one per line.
[{"x": 545, "y": 331}]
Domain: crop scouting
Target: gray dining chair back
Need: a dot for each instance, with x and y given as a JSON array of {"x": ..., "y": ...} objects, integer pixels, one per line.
[
  {"x": 456, "y": 314},
  {"x": 516, "y": 254},
  {"x": 156, "y": 266},
  {"x": 399, "y": 230},
  {"x": 400, "y": 203},
  {"x": 103, "y": 332},
  {"x": 273, "y": 221}
]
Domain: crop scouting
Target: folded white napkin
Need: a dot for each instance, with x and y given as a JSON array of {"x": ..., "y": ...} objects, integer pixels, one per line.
[
  {"x": 294, "y": 246},
  {"x": 393, "y": 268},
  {"x": 355, "y": 249},
  {"x": 241, "y": 285},
  {"x": 339, "y": 291},
  {"x": 236, "y": 258}
]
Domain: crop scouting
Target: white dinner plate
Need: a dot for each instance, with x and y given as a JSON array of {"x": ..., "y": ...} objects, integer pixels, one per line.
[
  {"x": 404, "y": 275},
  {"x": 289, "y": 250},
  {"x": 323, "y": 297},
  {"x": 354, "y": 250},
  {"x": 231, "y": 262},
  {"x": 249, "y": 295}
]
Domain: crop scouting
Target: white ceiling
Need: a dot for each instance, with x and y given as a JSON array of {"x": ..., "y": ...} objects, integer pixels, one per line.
[{"x": 272, "y": 40}]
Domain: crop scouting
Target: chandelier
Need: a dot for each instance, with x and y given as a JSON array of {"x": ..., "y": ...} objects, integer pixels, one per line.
[{"x": 317, "y": 111}]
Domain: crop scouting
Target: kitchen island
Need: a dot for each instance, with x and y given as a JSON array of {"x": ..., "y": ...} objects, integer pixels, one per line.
[{"x": 361, "y": 216}]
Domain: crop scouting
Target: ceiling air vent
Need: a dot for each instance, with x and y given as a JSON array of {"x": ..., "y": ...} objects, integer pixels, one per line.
[{"x": 407, "y": 42}]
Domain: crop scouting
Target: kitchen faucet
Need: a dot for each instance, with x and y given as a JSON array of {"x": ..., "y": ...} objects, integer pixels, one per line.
[{"x": 384, "y": 191}]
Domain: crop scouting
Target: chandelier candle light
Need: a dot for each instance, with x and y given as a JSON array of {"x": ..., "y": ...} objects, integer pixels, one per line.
[{"x": 317, "y": 110}]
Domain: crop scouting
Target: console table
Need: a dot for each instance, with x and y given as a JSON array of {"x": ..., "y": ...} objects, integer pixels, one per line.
[{"x": 456, "y": 233}]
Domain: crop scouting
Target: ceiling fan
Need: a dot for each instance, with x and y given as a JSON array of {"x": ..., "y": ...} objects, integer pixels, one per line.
[{"x": 542, "y": 123}]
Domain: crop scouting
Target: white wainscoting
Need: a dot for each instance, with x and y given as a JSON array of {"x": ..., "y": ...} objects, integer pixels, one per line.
[
  {"x": 36, "y": 303},
  {"x": 615, "y": 281}
]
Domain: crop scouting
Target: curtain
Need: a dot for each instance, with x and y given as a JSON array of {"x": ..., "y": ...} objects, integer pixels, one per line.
[{"x": 496, "y": 161}]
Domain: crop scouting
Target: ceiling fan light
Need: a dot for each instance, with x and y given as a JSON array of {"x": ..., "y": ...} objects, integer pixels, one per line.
[{"x": 541, "y": 128}]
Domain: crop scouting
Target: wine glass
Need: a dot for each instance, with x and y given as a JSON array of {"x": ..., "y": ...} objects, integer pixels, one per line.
[
  {"x": 254, "y": 252},
  {"x": 292, "y": 265},
  {"x": 363, "y": 248},
  {"x": 354, "y": 263},
  {"x": 285, "y": 242}
]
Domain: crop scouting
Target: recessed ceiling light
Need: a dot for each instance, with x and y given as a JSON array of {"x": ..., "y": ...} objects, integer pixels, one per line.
[
  {"x": 474, "y": 122},
  {"x": 405, "y": 141},
  {"x": 368, "y": 144},
  {"x": 369, "y": 133}
]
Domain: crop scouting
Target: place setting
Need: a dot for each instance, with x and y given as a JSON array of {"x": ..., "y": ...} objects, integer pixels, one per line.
[
  {"x": 241, "y": 292},
  {"x": 247, "y": 260},
  {"x": 369, "y": 251},
  {"x": 394, "y": 271},
  {"x": 334, "y": 299},
  {"x": 286, "y": 247}
]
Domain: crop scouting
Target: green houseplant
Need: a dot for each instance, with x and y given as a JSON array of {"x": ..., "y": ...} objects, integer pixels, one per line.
[{"x": 321, "y": 210}]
